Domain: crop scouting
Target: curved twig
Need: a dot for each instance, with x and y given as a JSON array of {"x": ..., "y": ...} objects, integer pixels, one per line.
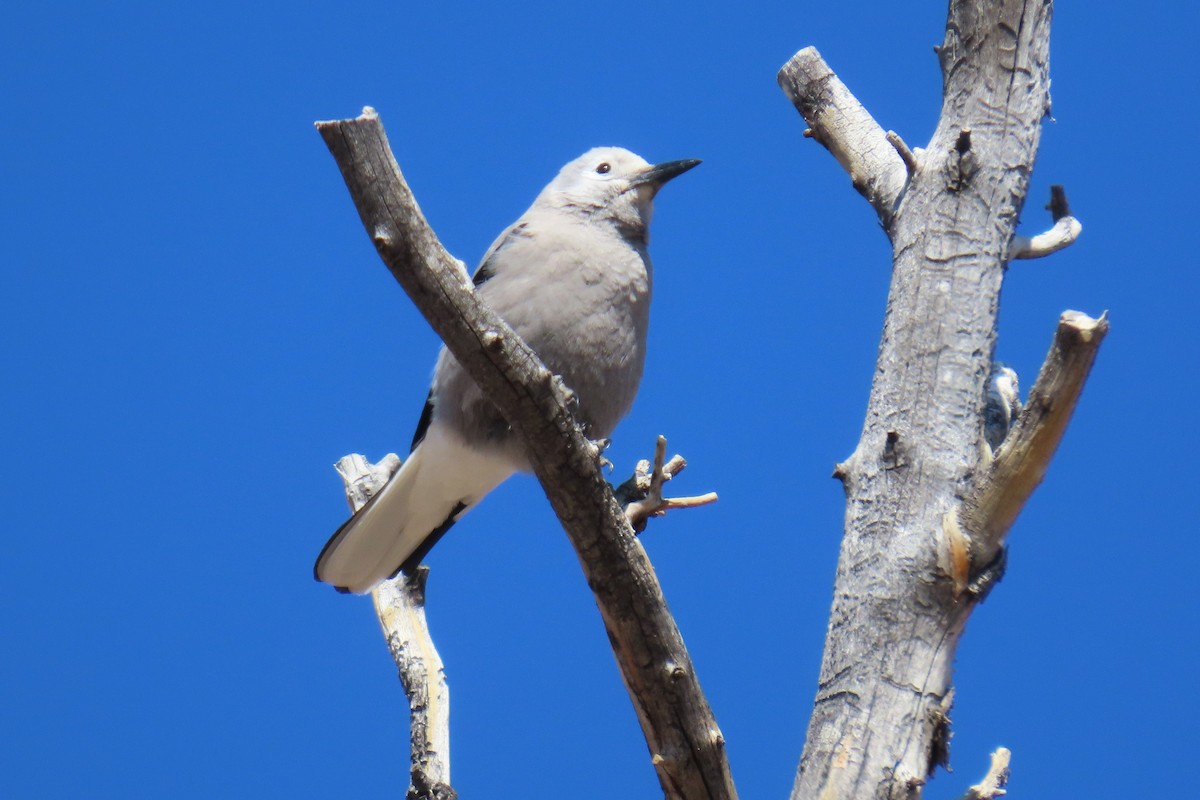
[
  {"x": 1064, "y": 233},
  {"x": 992, "y": 785}
]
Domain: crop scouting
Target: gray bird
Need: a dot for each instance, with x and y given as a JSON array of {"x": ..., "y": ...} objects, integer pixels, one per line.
[
  {"x": 1003, "y": 405},
  {"x": 572, "y": 277}
]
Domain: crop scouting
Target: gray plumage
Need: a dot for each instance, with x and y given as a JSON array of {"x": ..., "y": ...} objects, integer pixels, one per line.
[
  {"x": 573, "y": 279},
  {"x": 1003, "y": 404}
]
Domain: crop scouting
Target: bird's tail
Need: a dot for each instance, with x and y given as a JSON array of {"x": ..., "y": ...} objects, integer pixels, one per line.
[{"x": 438, "y": 483}]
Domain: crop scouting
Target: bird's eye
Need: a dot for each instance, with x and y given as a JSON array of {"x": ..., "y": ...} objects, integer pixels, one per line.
[{"x": 603, "y": 169}]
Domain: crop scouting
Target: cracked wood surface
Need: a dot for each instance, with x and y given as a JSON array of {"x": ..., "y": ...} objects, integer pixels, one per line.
[{"x": 880, "y": 721}]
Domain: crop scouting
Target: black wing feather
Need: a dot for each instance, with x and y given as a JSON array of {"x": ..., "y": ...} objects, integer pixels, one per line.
[
  {"x": 411, "y": 563},
  {"x": 487, "y": 267},
  {"x": 423, "y": 422}
]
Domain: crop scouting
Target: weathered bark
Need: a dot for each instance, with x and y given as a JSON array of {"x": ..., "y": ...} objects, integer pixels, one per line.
[
  {"x": 999, "y": 493},
  {"x": 400, "y": 607},
  {"x": 847, "y": 130},
  {"x": 686, "y": 747},
  {"x": 880, "y": 722}
]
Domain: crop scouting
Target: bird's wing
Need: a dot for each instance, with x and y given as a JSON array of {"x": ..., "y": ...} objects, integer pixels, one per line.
[
  {"x": 483, "y": 273},
  {"x": 424, "y": 422},
  {"x": 487, "y": 266}
]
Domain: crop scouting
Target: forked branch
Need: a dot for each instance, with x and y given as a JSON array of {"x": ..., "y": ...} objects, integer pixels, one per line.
[{"x": 642, "y": 495}]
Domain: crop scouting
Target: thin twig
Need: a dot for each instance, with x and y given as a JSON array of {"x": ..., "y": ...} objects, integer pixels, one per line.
[
  {"x": 1058, "y": 205},
  {"x": 400, "y": 607},
  {"x": 906, "y": 155},
  {"x": 1063, "y": 234},
  {"x": 642, "y": 494}
]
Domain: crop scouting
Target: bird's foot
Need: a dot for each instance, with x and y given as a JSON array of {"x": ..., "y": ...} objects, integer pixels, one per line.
[{"x": 568, "y": 396}]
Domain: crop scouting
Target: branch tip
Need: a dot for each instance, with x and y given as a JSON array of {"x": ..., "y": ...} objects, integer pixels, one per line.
[
  {"x": 368, "y": 115},
  {"x": 993, "y": 783},
  {"x": 836, "y": 119},
  {"x": 1001, "y": 491},
  {"x": 906, "y": 155},
  {"x": 1058, "y": 205},
  {"x": 1065, "y": 231},
  {"x": 642, "y": 496}
]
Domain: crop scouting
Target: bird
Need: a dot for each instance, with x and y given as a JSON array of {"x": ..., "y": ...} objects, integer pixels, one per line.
[
  {"x": 572, "y": 277},
  {"x": 1002, "y": 405}
]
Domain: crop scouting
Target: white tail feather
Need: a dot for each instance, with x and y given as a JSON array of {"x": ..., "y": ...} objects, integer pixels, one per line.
[{"x": 439, "y": 475}]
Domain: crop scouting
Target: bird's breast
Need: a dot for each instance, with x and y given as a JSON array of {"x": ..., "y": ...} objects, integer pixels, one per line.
[{"x": 581, "y": 300}]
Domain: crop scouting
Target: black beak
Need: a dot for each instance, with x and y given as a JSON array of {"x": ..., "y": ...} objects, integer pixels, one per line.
[{"x": 661, "y": 173}]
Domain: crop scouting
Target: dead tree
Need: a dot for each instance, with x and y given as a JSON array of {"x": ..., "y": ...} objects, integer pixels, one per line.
[
  {"x": 929, "y": 502},
  {"x": 686, "y": 747}
]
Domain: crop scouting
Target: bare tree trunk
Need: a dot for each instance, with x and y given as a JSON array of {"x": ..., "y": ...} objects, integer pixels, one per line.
[
  {"x": 903, "y": 590},
  {"x": 929, "y": 502}
]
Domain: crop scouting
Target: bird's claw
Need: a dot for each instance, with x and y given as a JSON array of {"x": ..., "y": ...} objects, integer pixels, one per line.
[
  {"x": 569, "y": 398},
  {"x": 601, "y": 445}
]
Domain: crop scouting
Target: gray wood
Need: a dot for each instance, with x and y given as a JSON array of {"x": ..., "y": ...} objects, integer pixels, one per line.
[
  {"x": 880, "y": 721},
  {"x": 686, "y": 747},
  {"x": 400, "y": 607},
  {"x": 999, "y": 493}
]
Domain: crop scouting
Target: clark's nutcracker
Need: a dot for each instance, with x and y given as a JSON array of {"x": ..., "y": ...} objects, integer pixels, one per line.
[{"x": 572, "y": 277}]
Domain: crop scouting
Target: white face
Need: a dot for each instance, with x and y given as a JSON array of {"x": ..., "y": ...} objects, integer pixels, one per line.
[
  {"x": 604, "y": 181},
  {"x": 600, "y": 171}
]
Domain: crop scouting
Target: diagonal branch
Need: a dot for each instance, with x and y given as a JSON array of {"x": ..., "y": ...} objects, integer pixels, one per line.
[
  {"x": 400, "y": 606},
  {"x": 997, "y": 498},
  {"x": 874, "y": 158},
  {"x": 686, "y": 746}
]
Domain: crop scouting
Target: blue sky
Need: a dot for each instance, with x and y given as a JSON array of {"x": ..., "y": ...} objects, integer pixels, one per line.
[{"x": 195, "y": 327}]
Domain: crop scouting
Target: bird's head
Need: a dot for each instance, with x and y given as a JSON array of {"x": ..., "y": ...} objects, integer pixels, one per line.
[{"x": 611, "y": 183}]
